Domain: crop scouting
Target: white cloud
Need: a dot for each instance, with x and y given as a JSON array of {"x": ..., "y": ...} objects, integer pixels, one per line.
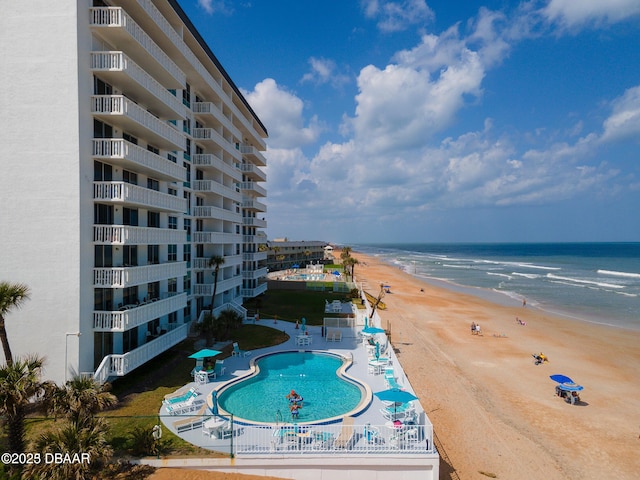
[
  {"x": 324, "y": 71},
  {"x": 572, "y": 13},
  {"x": 282, "y": 114},
  {"x": 216, "y": 6},
  {"x": 397, "y": 16},
  {"x": 624, "y": 121}
]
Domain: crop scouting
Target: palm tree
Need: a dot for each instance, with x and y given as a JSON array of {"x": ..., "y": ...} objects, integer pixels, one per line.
[
  {"x": 19, "y": 383},
  {"x": 352, "y": 263},
  {"x": 208, "y": 327},
  {"x": 81, "y": 398},
  {"x": 345, "y": 253},
  {"x": 228, "y": 320},
  {"x": 12, "y": 295},
  {"x": 215, "y": 261}
]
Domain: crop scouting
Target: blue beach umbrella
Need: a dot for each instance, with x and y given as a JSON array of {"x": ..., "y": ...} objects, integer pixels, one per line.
[
  {"x": 295, "y": 265},
  {"x": 561, "y": 379},
  {"x": 214, "y": 401},
  {"x": 372, "y": 330},
  {"x": 205, "y": 353},
  {"x": 396, "y": 396}
]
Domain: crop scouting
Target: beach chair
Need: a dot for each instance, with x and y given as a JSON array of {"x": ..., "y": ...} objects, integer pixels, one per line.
[
  {"x": 337, "y": 336},
  {"x": 372, "y": 434},
  {"x": 238, "y": 352},
  {"x": 181, "y": 395},
  {"x": 345, "y": 437},
  {"x": 321, "y": 440},
  {"x": 195, "y": 421}
]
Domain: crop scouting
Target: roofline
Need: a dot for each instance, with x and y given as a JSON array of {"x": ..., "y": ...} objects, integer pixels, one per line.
[{"x": 194, "y": 31}]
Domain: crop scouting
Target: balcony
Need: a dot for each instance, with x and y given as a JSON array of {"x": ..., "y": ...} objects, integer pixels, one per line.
[
  {"x": 126, "y": 193},
  {"x": 255, "y": 274},
  {"x": 216, "y": 213},
  {"x": 254, "y": 292},
  {"x": 130, "y": 156},
  {"x": 214, "y": 139},
  {"x": 120, "y": 30},
  {"x": 206, "y": 289},
  {"x": 125, "y": 114},
  {"x": 118, "y": 365},
  {"x": 214, "y": 161},
  {"x": 119, "y": 321},
  {"x": 211, "y": 186},
  {"x": 254, "y": 187},
  {"x": 254, "y": 222},
  {"x": 229, "y": 261},
  {"x": 120, "y": 277},
  {"x": 210, "y": 111},
  {"x": 253, "y": 171},
  {"x": 254, "y": 257},
  {"x": 216, "y": 237},
  {"x": 127, "y": 235},
  {"x": 253, "y": 154},
  {"x": 254, "y": 205},
  {"x": 119, "y": 70}
]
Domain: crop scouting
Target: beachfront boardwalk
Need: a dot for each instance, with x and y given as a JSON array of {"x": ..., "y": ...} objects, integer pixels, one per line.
[{"x": 340, "y": 441}]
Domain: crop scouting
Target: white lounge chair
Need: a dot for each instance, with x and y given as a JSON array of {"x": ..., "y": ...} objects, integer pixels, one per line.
[{"x": 345, "y": 437}]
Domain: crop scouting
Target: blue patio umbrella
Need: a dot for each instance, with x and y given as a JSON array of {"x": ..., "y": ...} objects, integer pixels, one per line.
[
  {"x": 205, "y": 353},
  {"x": 336, "y": 273},
  {"x": 295, "y": 265},
  {"x": 214, "y": 401},
  {"x": 372, "y": 330},
  {"x": 396, "y": 396},
  {"x": 561, "y": 379}
]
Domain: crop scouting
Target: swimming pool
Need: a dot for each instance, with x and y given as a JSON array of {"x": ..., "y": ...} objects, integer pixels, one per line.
[{"x": 262, "y": 398}]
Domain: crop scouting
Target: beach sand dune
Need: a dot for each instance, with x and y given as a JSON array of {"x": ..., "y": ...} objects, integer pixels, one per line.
[{"x": 493, "y": 410}]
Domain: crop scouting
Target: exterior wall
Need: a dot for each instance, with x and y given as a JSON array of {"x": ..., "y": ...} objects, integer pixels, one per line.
[
  {"x": 48, "y": 190},
  {"x": 283, "y": 254}
]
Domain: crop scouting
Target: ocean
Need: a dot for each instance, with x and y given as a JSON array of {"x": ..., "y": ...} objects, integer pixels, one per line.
[{"x": 594, "y": 282}]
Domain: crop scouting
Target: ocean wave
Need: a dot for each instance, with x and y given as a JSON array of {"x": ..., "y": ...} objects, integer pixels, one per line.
[
  {"x": 613, "y": 273},
  {"x": 626, "y": 294},
  {"x": 467, "y": 267},
  {"x": 499, "y": 275},
  {"x": 526, "y": 275},
  {"x": 586, "y": 282},
  {"x": 518, "y": 264}
]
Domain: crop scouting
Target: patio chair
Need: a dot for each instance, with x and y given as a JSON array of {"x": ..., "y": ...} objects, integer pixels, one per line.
[
  {"x": 181, "y": 395},
  {"x": 321, "y": 440},
  {"x": 238, "y": 352},
  {"x": 345, "y": 437},
  {"x": 372, "y": 434}
]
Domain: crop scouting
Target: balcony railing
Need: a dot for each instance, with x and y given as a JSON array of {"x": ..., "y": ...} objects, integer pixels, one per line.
[
  {"x": 210, "y": 108},
  {"x": 116, "y": 25},
  {"x": 216, "y": 237},
  {"x": 254, "y": 257},
  {"x": 127, "y": 235},
  {"x": 214, "y": 161},
  {"x": 255, "y": 274},
  {"x": 122, "y": 192},
  {"x": 119, "y": 69},
  {"x": 118, "y": 365},
  {"x": 206, "y": 289},
  {"x": 119, "y": 321},
  {"x": 254, "y": 187},
  {"x": 120, "y": 277},
  {"x": 253, "y": 171},
  {"x": 229, "y": 261},
  {"x": 251, "y": 204},
  {"x": 139, "y": 158},
  {"x": 254, "y": 292},
  {"x": 214, "y": 138},
  {"x": 211, "y": 186},
  {"x": 216, "y": 212},
  {"x": 253, "y": 154},
  {"x": 254, "y": 222},
  {"x": 137, "y": 120}
]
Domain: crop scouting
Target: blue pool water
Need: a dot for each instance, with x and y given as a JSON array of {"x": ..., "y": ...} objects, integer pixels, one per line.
[{"x": 312, "y": 375}]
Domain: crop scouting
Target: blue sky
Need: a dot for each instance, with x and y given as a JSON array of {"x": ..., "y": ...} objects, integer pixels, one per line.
[{"x": 440, "y": 121}]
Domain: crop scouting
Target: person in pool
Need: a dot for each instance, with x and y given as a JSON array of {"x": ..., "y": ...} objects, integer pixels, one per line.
[{"x": 294, "y": 398}]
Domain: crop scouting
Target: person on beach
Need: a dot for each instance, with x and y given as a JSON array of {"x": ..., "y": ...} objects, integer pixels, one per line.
[
  {"x": 524, "y": 302},
  {"x": 473, "y": 328}
]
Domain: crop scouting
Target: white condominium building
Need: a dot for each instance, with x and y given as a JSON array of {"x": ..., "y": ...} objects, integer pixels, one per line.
[{"x": 129, "y": 160}]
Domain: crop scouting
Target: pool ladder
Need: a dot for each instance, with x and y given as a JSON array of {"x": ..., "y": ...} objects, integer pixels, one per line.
[{"x": 279, "y": 418}]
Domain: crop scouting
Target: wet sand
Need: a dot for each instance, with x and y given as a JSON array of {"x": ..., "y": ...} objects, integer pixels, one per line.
[{"x": 493, "y": 410}]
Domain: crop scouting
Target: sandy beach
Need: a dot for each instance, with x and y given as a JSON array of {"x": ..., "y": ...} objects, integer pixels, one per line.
[{"x": 493, "y": 410}]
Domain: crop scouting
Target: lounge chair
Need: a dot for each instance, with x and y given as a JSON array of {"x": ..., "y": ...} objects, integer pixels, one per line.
[
  {"x": 372, "y": 434},
  {"x": 238, "y": 352},
  {"x": 321, "y": 440},
  {"x": 180, "y": 396},
  {"x": 345, "y": 437},
  {"x": 194, "y": 421}
]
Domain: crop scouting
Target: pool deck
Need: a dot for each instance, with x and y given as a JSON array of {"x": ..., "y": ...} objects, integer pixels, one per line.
[{"x": 250, "y": 439}]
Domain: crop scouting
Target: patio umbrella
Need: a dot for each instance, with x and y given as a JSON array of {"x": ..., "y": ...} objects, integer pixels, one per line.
[
  {"x": 214, "y": 401},
  {"x": 336, "y": 273},
  {"x": 561, "y": 379},
  {"x": 205, "y": 353},
  {"x": 295, "y": 265},
  {"x": 396, "y": 396},
  {"x": 304, "y": 324},
  {"x": 372, "y": 330},
  {"x": 366, "y": 323},
  {"x": 377, "y": 350}
]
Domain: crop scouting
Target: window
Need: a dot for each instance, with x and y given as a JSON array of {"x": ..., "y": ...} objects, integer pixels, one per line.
[
  {"x": 199, "y": 174},
  {"x": 103, "y": 299},
  {"x": 188, "y": 167},
  {"x": 130, "y": 295},
  {"x": 102, "y": 172},
  {"x": 172, "y": 253},
  {"x": 186, "y": 284},
  {"x": 186, "y": 252},
  {"x": 130, "y": 256},
  {"x": 200, "y": 277},
  {"x": 173, "y": 317},
  {"x": 103, "y": 256},
  {"x": 101, "y": 87},
  {"x": 186, "y": 95},
  {"x": 188, "y": 148},
  {"x": 153, "y": 290},
  {"x": 102, "y": 214},
  {"x": 172, "y": 191},
  {"x": 199, "y": 225},
  {"x": 173, "y": 223},
  {"x": 171, "y": 157},
  {"x": 153, "y": 254},
  {"x": 130, "y": 340},
  {"x": 102, "y": 130},
  {"x": 172, "y": 285},
  {"x": 130, "y": 216},
  {"x": 130, "y": 138},
  {"x": 187, "y": 197},
  {"x": 187, "y": 226},
  {"x": 153, "y": 149},
  {"x": 153, "y": 184},
  {"x": 200, "y": 250},
  {"x": 153, "y": 219},
  {"x": 130, "y": 177}
]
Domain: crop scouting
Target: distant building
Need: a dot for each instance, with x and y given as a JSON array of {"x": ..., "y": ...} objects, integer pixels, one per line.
[
  {"x": 283, "y": 254},
  {"x": 130, "y": 159}
]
